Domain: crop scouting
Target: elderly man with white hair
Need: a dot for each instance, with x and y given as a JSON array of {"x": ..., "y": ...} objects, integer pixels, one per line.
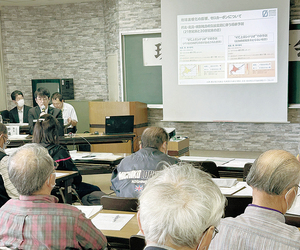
[
  {"x": 180, "y": 208},
  {"x": 274, "y": 177},
  {"x": 36, "y": 220}
]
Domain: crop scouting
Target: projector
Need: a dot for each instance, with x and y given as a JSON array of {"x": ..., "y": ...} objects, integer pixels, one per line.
[{"x": 170, "y": 131}]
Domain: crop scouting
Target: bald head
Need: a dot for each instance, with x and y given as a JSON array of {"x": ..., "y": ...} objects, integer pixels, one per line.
[
  {"x": 29, "y": 167},
  {"x": 274, "y": 171}
]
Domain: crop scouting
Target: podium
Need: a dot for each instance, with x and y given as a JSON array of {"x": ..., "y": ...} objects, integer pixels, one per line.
[{"x": 99, "y": 110}]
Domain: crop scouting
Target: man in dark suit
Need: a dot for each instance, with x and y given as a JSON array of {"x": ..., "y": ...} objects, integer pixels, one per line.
[
  {"x": 18, "y": 114},
  {"x": 42, "y": 98}
]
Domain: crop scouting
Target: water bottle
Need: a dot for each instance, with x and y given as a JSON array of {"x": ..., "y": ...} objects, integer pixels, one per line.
[{"x": 1, "y": 118}]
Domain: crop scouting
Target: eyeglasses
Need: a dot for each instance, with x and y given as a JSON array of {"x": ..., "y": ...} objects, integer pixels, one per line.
[
  {"x": 298, "y": 191},
  {"x": 214, "y": 232},
  {"x": 55, "y": 165},
  {"x": 42, "y": 98},
  {"x": 6, "y": 139}
]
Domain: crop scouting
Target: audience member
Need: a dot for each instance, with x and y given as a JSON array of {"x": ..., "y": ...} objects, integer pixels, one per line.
[
  {"x": 7, "y": 189},
  {"x": 46, "y": 133},
  {"x": 274, "y": 177},
  {"x": 68, "y": 112},
  {"x": 18, "y": 114},
  {"x": 36, "y": 220},
  {"x": 42, "y": 98},
  {"x": 129, "y": 178},
  {"x": 180, "y": 208}
]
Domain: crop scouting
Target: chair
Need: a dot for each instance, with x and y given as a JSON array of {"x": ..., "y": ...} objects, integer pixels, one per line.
[
  {"x": 137, "y": 242},
  {"x": 3, "y": 194},
  {"x": 59, "y": 192},
  {"x": 207, "y": 166},
  {"x": 246, "y": 170},
  {"x": 5, "y": 115},
  {"x": 119, "y": 203}
]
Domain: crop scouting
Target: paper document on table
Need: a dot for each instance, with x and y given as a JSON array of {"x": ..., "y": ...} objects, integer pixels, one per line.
[
  {"x": 91, "y": 156},
  {"x": 244, "y": 192},
  {"x": 295, "y": 209},
  {"x": 89, "y": 211},
  {"x": 233, "y": 189},
  {"x": 238, "y": 163},
  {"x": 225, "y": 182},
  {"x": 217, "y": 160},
  {"x": 60, "y": 174},
  {"x": 17, "y": 137},
  {"x": 104, "y": 221}
]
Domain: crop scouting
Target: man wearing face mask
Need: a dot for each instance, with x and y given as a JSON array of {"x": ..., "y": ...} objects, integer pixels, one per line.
[
  {"x": 7, "y": 189},
  {"x": 274, "y": 177},
  {"x": 18, "y": 114}
]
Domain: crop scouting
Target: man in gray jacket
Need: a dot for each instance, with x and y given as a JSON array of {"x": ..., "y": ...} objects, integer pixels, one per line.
[{"x": 129, "y": 178}]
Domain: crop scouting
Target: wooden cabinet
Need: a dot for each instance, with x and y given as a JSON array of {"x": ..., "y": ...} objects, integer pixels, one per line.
[{"x": 99, "y": 110}]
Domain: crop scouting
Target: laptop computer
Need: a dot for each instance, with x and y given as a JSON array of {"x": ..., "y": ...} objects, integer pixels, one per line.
[{"x": 119, "y": 124}]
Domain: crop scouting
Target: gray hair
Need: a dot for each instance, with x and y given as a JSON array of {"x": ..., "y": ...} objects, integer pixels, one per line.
[
  {"x": 154, "y": 137},
  {"x": 274, "y": 171},
  {"x": 29, "y": 167},
  {"x": 178, "y": 204}
]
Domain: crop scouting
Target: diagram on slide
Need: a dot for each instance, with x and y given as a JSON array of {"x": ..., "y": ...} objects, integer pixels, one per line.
[{"x": 227, "y": 48}]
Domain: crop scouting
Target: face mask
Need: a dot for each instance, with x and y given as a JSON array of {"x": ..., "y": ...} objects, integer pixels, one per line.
[
  {"x": 285, "y": 197},
  {"x": 20, "y": 103}
]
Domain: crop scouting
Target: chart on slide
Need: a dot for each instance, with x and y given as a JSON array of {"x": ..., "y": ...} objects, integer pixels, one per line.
[{"x": 227, "y": 48}]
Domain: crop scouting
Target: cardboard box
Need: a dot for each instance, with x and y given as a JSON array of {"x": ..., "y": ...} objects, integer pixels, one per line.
[{"x": 179, "y": 147}]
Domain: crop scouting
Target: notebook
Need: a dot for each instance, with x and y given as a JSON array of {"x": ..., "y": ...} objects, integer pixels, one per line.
[{"x": 119, "y": 124}]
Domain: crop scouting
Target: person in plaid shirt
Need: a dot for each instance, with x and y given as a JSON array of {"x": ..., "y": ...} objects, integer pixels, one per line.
[{"x": 36, "y": 220}]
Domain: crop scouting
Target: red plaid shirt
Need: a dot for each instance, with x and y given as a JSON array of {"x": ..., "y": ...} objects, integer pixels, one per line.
[{"x": 39, "y": 222}]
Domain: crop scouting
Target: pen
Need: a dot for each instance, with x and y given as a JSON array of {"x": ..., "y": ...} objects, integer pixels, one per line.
[{"x": 115, "y": 219}]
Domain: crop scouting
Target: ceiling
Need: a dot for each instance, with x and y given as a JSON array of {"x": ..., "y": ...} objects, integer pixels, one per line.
[{"x": 38, "y": 2}]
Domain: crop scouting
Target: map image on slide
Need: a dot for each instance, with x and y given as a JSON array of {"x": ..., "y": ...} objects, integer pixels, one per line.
[
  {"x": 188, "y": 71},
  {"x": 228, "y": 47},
  {"x": 237, "y": 69}
]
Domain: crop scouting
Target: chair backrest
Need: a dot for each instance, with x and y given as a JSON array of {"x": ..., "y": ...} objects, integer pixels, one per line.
[
  {"x": 119, "y": 203},
  {"x": 207, "y": 166},
  {"x": 246, "y": 170},
  {"x": 3, "y": 194},
  {"x": 5, "y": 115},
  {"x": 137, "y": 242}
]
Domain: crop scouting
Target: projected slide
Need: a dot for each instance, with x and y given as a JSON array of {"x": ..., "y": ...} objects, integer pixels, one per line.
[{"x": 227, "y": 48}]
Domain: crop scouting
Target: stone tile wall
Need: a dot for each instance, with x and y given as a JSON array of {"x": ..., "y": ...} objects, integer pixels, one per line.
[
  {"x": 74, "y": 40},
  {"x": 55, "y": 41}
]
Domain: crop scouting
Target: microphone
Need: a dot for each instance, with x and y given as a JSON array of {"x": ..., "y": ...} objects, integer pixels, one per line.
[
  {"x": 86, "y": 156},
  {"x": 43, "y": 109}
]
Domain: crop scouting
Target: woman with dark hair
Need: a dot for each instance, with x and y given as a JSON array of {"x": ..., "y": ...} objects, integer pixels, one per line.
[{"x": 46, "y": 133}]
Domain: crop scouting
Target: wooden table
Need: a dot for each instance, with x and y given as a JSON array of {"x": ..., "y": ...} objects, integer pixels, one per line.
[
  {"x": 78, "y": 139},
  {"x": 96, "y": 163},
  {"x": 122, "y": 236},
  {"x": 67, "y": 179}
]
